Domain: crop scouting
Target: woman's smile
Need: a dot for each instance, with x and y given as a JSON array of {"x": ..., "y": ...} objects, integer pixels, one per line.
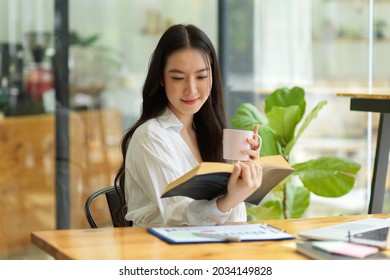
[{"x": 191, "y": 101}]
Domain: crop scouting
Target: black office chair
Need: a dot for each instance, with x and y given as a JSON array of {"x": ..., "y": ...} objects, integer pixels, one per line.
[{"x": 112, "y": 202}]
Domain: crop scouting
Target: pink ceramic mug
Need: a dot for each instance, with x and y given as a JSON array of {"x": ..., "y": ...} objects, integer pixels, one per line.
[{"x": 234, "y": 141}]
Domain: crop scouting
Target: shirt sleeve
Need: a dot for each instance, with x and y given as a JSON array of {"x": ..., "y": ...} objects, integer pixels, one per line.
[{"x": 153, "y": 167}]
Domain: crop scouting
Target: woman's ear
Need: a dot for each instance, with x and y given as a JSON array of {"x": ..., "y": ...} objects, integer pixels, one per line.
[{"x": 162, "y": 82}]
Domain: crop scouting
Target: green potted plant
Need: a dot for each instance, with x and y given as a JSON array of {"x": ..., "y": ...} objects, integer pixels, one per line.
[
  {"x": 281, "y": 125},
  {"x": 379, "y": 28},
  {"x": 92, "y": 65}
]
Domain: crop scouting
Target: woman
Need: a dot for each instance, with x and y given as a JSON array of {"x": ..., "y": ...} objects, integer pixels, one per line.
[{"x": 181, "y": 125}]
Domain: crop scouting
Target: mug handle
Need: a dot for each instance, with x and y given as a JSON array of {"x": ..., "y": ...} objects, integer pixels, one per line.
[{"x": 260, "y": 140}]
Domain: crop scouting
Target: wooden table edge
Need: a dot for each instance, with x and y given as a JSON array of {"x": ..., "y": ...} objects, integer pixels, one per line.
[
  {"x": 48, "y": 248},
  {"x": 384, "y": 96}
]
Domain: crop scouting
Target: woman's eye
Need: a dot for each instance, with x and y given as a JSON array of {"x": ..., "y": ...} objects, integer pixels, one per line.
[
  {"x": 202, "y": 77},
  {"x": 177, "y": 78}
]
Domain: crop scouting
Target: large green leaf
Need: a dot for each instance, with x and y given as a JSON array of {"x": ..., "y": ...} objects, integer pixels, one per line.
[
  {"x": 283, "y": 97},
  {"x": 327, "y": 176},
  {"x": 283, "y": 121},
  {"x": 270, "y": 210},
  {"x": 270, "y": 144},
  {"x": 297, "y": 201},
  {"x": 329, "y": 163},
  {"x": 247, "y": 116},
  {"x": 312, "y": 115}
]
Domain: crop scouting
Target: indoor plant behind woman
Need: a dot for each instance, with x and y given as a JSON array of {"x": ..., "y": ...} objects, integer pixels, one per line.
[{"x": 281, "y": 126}]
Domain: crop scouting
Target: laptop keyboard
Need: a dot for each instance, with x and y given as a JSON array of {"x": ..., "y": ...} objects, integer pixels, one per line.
[{"x": 379, "y": 234}]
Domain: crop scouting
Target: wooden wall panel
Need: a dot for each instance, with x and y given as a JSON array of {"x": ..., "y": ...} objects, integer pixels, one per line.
[{"x": 27, "y": 171}]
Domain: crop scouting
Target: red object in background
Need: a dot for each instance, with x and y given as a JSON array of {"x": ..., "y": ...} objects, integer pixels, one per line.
[{"x": 39, "y": 80}]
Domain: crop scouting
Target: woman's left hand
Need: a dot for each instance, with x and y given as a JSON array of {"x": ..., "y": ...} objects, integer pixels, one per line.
[{"x": 255, "y": 144}]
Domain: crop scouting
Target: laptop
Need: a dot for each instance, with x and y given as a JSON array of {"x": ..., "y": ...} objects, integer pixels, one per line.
[{"x": 369, "y": 231}]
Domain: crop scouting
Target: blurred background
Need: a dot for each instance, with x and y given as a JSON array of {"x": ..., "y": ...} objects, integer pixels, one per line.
[{"x": 59, "y": 139}]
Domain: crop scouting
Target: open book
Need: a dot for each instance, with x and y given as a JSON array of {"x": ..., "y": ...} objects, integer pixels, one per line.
[{"x": 209, "y": 179}]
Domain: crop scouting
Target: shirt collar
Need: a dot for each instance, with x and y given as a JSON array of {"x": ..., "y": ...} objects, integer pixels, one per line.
[{"x": 168, "y": 119}]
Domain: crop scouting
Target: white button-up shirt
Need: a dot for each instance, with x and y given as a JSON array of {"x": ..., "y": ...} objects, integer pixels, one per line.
[{"x": 156, "y": 156}]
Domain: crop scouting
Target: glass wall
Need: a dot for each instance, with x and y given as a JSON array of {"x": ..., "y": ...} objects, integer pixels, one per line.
[
  {"x": 27, "y": 156},
  {"x": 324, "y": 47},
  {"x": 320, "y": 45}
]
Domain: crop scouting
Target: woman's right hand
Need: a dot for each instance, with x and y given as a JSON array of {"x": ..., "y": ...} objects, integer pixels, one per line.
[{"x": 244, "y": 180}]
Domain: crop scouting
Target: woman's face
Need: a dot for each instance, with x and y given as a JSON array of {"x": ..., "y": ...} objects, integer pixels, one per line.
[{"x": 187, "y": 82}]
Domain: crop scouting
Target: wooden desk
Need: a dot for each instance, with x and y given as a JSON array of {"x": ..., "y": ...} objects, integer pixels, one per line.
[
  {"x": 137, "y": 244},
  {"x": 378, "y": 103}
]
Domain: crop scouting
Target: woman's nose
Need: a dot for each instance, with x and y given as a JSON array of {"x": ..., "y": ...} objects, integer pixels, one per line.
[{"x": 190, "y": 86}]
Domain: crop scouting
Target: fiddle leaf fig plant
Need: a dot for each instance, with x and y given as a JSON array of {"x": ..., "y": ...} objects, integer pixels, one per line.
[{"x": 281, "y": 125}]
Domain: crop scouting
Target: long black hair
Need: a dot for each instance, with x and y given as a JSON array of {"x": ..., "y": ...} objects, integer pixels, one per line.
[{"x": 209, "y": 121}]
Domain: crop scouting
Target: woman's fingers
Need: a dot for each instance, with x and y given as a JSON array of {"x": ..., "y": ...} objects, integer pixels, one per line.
[
  {"x": 255, "y": 144},
  {"x": 256, "y": 129},
  {"x": 251, "y": 174}
]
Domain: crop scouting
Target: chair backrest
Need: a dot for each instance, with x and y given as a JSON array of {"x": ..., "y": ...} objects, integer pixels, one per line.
[{"x": 112, "y": 203}]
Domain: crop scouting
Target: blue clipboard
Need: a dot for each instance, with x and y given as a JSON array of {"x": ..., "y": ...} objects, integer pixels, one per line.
[{"x": 222, "y": 233}]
